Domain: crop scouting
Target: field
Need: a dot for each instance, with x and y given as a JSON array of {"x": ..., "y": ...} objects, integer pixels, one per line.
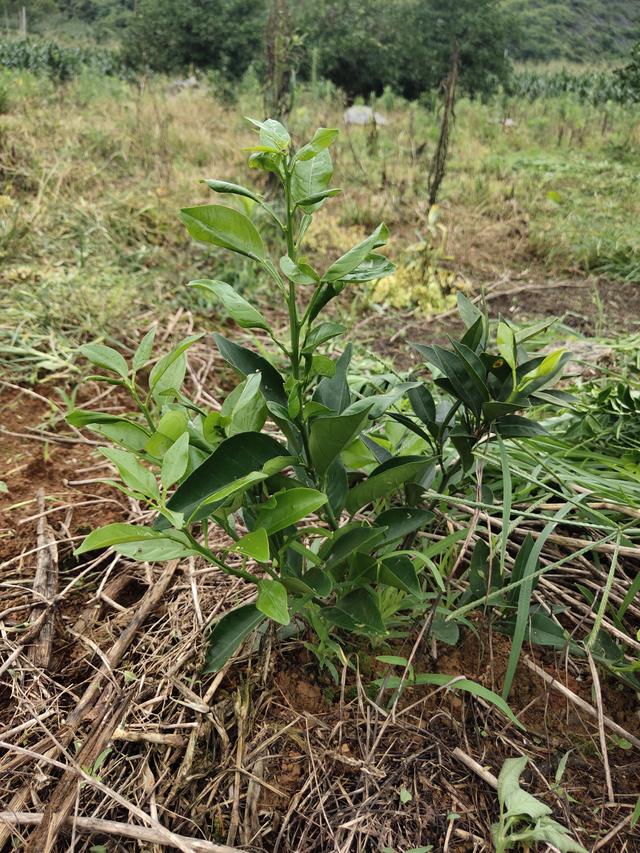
[{"x": 519, "y": 634}]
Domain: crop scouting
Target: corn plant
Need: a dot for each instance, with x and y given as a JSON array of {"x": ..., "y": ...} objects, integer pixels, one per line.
[{"x": 268, "y": 469}]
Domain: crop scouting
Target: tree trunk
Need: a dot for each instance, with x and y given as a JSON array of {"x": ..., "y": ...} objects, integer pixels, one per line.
[{"x": 439, "y": 163}]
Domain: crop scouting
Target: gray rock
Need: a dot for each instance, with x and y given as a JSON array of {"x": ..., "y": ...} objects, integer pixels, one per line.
[
  {"x": 363, "y": 115},
  {"x": 182, "y": 85}
]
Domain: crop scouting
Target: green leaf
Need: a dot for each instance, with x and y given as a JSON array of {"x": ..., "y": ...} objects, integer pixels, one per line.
[
  {"x": 516, "y": 800},
  {"x": 311, "y": 177},
  {"x": 507, "y": 345},
  {"x": 465, "y": 684},
  {"x": 298, "y": 273},
  {"x": 333, "y": 392},
  {"x": 132, "y": 472},
  {"x": 106, "y": 357},
  {"x": 175, "y": 461},
  {"x": 225, "y": 227},
  {"x": 349, "y": 540},
  {"x": 229, "y": 633},
  {"x": 233, "y": 459},
  {"x": 235, "y": 305},
  {"x": 246, "y": 361},
  {"x": 355, "y": 256},
  {"x": 121, "y": 430},
  {"x": 494, "y": 409},
  {"x": 117, "y": 534},
  {"x": 155, "y": 551},
  {"x": 372, "y": 268},
  {"x": 322, "y": 138},
  {"x": 157, "y": 378},
  {"x": 402, "y": 521},
  {"x": 273, "y": 601},
  {"x": 386, "y": 482},
  {"x": 250, "y": 411},
  {"x": 320, "y": 334},
  {"x": 232, "y": 189},
  {"x": 255, "y": 545},
  {"x": 469, "y": 312},
  {"x": 358, "y": 611},
  {"x": 309, "y": 203},
  {"x": 287, "y": 507},
  {"x": 143, "y": 353},
  {"x": 514, "y": 426},
  {"x": 331, "y": 434},
  {"x": 273, "y": 135},
  {"x": 423, "y": 404},
  {"x": 399, "y": 572}
]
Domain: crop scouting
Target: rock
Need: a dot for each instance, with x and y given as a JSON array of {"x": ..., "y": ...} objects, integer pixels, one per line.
[
  {"x": 181, "y": 85},
  {"x": 363, "y": 115}
]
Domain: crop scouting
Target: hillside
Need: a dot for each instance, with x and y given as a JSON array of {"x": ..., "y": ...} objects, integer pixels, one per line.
[{"x": 575, "y": 30}]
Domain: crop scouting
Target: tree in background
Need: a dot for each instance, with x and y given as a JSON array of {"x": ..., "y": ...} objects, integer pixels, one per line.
[
  {"x": 365, "y": 45},
  {"x": 353, "y": 42},
  {"x": 170, "y": 35},
  {"x": 283, "y": 45}
]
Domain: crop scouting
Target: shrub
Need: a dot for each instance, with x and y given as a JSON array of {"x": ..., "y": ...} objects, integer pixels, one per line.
[{"x": 314, "y": 495}]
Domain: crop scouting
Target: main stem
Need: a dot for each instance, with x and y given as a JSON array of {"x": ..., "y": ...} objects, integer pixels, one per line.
[{"x": 294, "y": 320}]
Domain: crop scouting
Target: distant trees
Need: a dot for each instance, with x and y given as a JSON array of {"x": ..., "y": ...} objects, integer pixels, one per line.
[
  {"x": 364, "y": 45},
  {"x": 168, "y": 35}
]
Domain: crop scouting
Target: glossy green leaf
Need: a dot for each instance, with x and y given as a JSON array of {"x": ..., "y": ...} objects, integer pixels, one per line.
[
  {"x": 233, "y": 459},
  {"x": 106, "y": 357},
  {"x": 225, "y": 227},
  {"x": 399, "y": 572},
  {"x": 273, "y": 601},
  {"x": 507, "y": 345},
  {"x": 386, "y": 482},
  {"x": 309, "y": 203},
  {"x": 402, "y": 521},
  {"x": 355, "y": 256},
  {"x": 175, "y": 461},
  {"x": 250, "y": 410},
  {"x": 244, "y": 314},
  {"x": 469, "y": 312},
  {"x": 165, "y": 364},
  {"x": 330, "y": 434},
  {"x": 232, "y": 189},
  {"x": 273, "y": 134},
  {"x": 372, "y": 268},
  {"x": 322, "y": 138},
  {"x": 288, "y": 507},
  {"x": 255, "y": 545},
  {"x": 132, "y": 472},
  {"x": 423, "y": 404},
  {"x": 358, "y": 611},
  {"x": 333, "y": 392},
  {"x": 514, "y": 426},
  {"x": 145, "y": 348},
  {"x": 117, "y": 534},
  {"x": 246, "y": 361},
  {"x": 320, "y": 334},
  {"x": 228, "y": 634},
  {"x": 311, "y": 177}
]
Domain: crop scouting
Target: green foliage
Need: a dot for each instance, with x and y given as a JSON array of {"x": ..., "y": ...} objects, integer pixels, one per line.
[
  {"x": 170, "y": 35},
  {"x": 328, "y": 509},
  {"x": 525, "y": 820},
  {"x": 575, "y": 30},
  {"x": 41, "y": 56},
  {"x": 362, "y": 46}
]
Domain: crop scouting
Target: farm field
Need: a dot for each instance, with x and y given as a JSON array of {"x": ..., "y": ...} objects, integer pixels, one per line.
[{"x": 434, "y": 574}]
